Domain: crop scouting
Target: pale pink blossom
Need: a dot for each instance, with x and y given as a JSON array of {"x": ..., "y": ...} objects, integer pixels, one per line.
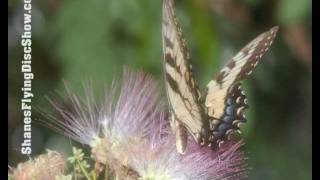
[
  {"x": 158, "y": 159},
  {"x": 44, "y": 167},
  {"x": 129, "y": 128}
]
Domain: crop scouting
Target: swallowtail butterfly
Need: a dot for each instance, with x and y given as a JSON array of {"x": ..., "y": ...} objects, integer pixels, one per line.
[{"x": 215, "y": 116}]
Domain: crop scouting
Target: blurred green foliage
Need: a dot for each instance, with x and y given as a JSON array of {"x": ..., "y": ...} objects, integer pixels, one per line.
[
  {"x": 293, "y": 11},
  {"x": 80, "y": 40}
]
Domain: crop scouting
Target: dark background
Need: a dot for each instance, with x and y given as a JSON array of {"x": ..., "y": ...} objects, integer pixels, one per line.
[{"x": 80, "y": 40}]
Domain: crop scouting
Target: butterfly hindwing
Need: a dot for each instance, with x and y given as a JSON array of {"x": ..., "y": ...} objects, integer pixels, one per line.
[
  {"x": 233, "y": 117},
  {"x": 225, "y": 86}
]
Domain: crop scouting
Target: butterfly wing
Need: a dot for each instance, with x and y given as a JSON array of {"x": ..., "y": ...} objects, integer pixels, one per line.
[
  {"x": 224, "y": 99},
  {"x": 182, "y": 91}
]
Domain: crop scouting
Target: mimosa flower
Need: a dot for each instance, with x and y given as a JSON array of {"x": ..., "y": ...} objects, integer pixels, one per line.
[
  {"x": 129, "y": 132},
  {"x": 128, "y": 113},
  {"x": 44, "y": 167},
  {"x": 159, "y": 160}
]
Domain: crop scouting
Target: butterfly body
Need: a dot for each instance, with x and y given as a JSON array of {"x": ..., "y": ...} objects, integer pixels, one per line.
[{"x": 215, "y": 116}]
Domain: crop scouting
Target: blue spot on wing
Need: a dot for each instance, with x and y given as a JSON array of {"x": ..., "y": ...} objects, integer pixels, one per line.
[{"x": 235, "y": 100}]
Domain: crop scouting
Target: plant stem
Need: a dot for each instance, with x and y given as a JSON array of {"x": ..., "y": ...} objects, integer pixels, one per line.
[{"x": 84, "y": 171}]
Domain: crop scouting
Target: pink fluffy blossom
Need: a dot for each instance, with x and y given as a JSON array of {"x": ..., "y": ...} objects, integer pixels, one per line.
[
  {"x": 158, "y": 159},
  {"x": 129, "y": 128},
  {"x": 128, "y": 111}
]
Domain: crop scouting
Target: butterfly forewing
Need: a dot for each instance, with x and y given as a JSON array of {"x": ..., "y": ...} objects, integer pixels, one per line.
[{"x": 182, "y": 91}]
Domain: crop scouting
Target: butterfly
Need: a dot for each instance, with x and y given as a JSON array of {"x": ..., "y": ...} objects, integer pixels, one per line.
[{"x": 215, "y": 116}]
